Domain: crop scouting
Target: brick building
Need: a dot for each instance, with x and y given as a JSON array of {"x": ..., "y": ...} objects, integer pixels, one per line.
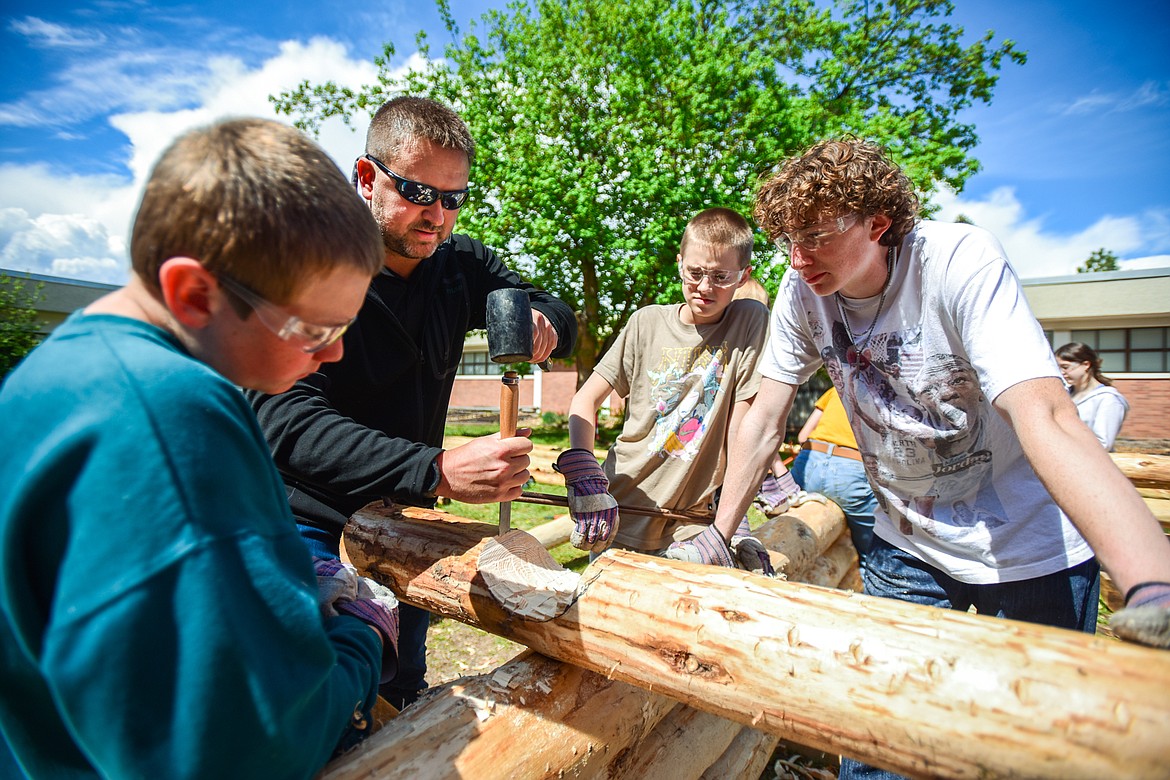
[{"x": 1125, "y": 317}]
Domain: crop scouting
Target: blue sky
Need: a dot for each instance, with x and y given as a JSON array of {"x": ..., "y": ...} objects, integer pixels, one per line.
[{"x": 1075, "y": 147}]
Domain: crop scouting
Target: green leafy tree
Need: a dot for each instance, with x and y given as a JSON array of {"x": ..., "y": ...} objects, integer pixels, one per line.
[
  {"x": 603, "y": 127},
  {"x": 1100, "y": 260},
  {"x": 18, "y": 321}
]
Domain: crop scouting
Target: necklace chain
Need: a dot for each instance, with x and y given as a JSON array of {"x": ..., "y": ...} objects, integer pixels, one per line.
[{"x": 877, "y": 315}]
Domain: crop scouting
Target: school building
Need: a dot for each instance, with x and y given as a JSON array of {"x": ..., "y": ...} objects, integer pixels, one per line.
[{"x": 1124, "y": 315}]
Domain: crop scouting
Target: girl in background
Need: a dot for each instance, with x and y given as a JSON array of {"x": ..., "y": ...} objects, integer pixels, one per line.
[{"x": 1099, "y": 404}]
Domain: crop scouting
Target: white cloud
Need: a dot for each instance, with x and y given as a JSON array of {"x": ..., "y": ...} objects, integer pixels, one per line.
[
  {"x": 1036, "y": 252},
  {"x": 1151, "y": 93},
  {"x": 70, "y": 245},
  {"x": 51, "y": 35},
  {"x": 76, "y": 225}
]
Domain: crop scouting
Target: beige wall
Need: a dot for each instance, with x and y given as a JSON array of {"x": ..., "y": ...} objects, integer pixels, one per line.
[{"x": 1113, "y": 299}]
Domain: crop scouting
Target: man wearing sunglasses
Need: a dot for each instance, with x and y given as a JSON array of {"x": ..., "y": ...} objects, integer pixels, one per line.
[{"x": 371, "y": 425}]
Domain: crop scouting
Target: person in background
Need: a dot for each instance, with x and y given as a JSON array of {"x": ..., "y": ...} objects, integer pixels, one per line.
[
  {"x": 687, "y": 372},
  {"x": 830, "y": 464},
  {"x": 1098, "y": 402},
  {"x": 370, "y": 426},
  {"x": 159, "y": 614}
]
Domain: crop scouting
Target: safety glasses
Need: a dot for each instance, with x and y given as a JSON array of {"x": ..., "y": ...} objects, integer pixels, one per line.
[
  {"x": 717, "y": 277},
  {"x": 286, "y": 326},
  {"x": 422, "y": 194},
  {"x": 815, "y": 237}
]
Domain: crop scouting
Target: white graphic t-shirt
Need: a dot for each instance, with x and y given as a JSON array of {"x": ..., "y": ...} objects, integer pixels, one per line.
[{"x": 952, "y": 483}]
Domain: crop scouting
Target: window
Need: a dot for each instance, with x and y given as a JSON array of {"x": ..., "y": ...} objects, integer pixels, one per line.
[
  {"x": 1129, "y": 350},
  {"x": 478, "y": 364}
]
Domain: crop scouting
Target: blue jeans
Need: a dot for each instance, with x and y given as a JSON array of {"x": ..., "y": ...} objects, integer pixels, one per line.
[
  {"x": 410, "y": 680},
  {"x": 1065, "y": 599},
  {"x": 843, "y": 481}
]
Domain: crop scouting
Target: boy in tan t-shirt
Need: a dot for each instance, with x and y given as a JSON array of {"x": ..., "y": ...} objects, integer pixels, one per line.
[{"x": 687, "y": 374}]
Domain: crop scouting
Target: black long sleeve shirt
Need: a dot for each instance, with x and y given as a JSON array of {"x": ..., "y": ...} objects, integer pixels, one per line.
[{"x": 371, "y": 425}]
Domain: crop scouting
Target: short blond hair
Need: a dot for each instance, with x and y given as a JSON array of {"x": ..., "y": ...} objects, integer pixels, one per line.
[
  {"x": 406, "y": 120},
  {"x": 257, "y": 201},
  {"x": 720, "y": 227}
]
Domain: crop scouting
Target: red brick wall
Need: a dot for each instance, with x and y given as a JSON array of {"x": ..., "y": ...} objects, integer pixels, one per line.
[
  {"x": 1149, "y": 408},
  {"x": 556, "y": 390},
  {"x": 485, "y": 391}
]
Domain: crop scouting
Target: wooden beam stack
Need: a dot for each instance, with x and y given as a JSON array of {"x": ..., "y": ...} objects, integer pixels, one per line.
[{"x": 921, "y": 691}]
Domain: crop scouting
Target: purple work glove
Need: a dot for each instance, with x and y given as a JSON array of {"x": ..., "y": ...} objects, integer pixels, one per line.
[
  {"x": 1146, "y": 617},
  {"x": 342, "y": 591},
  {"x": 750, "y": 551},
  {"x": 777, "y": 494},
  {"x": 708, "y": 547},
  {"x": 593, "y": 509}
]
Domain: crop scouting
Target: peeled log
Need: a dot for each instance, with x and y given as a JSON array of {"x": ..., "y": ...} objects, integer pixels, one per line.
[
  {"x": 681, "y": 746},
  {"x": 832, "y": 568},
  {"x": 554, "y": 533},
  {"x": 1152, "y": 471},
  {"x": 745, "y": 757},
  {"x": 918, "y": 690},
  {"x": 798, "y": 538},
  {"x": 532, "y": 717}
]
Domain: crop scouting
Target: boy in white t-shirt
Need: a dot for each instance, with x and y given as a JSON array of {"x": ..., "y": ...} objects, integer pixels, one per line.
[
  {"x": 967, "y": 435},
  {"x": 952, "y": 392},
  {"x": 687, "y": 373}
]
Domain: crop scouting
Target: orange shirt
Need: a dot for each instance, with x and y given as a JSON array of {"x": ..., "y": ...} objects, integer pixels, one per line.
[{"x": 833, "y": 427}]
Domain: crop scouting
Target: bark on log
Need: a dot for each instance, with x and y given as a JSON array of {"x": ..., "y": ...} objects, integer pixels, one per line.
[
  {"x": 1144, "y": 470},
  {"x": 798, "y": 538},
  {"x": 532, "y": 717},
  {"x": 921, "y": 691}
]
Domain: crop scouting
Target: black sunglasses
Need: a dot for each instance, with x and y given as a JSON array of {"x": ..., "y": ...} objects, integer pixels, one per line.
[{"x": 422, "y": 194}]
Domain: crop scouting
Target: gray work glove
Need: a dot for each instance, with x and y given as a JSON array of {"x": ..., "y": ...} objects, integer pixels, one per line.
[
  {"x": 708, "y": 547},
  {"x": 593, "y": 509},
  {"x": 1146, "y": 617},
  {"x": 750, "y": 552}
]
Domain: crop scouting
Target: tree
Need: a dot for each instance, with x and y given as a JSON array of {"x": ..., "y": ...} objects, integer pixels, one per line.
[
  {"x": 603, "y": 127},
  {"x": 1100, "y": 260},
  {"x": 18, "y": 321}
]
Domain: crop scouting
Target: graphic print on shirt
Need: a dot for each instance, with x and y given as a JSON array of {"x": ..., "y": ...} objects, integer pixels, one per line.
[
  {"x": 925, "y": 419},
  {"x": 683, "y": 389}
]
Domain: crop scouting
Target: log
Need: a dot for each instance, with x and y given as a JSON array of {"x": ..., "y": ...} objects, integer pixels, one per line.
[
  {"x": 798, "y": 538},
  {"x": 509, "y": 564},
  {"x": 746, "y": 757},
  {"x": 680, "y": 747},
  {"x": 917, "y": 690},
  {"x": 852, "y": 580},
  {"x": 554, "y": 533},
  {"x": 833, "y": 567},
  {"x": 1151, "y": 471},
  {"x": 532, "y": 717}
]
